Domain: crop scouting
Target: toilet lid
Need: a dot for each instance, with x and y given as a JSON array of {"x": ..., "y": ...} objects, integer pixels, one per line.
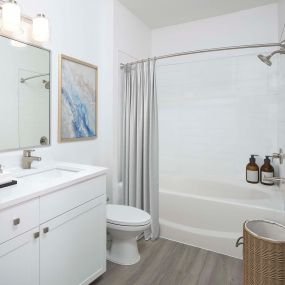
[{"x": 127, "y": 216}]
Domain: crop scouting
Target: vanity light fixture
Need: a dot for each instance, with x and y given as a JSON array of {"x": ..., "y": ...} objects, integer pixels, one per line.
[
  {"x": 40, "y": 28},
  {"x": 12, "y": 22},
  {"x": 11, "y": 16}
]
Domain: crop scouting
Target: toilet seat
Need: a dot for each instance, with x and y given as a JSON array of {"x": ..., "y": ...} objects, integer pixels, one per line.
[
  {"x": 128, "y": 228},
  {"x": 121, "y": 215}
]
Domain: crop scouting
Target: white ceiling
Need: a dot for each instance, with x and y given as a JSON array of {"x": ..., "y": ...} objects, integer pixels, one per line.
[{"x": 161, "y": 13}]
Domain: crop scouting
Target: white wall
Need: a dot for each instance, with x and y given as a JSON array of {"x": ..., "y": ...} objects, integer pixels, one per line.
[
  {"x": 281, "y": 136},
  {"x": 83, "y": 30},
  {"x": 281, "y": 14},
  {"x": 132, "y": 36},
  {"x": 258, "y": 25},
  {"x": 132, "y": 41}
]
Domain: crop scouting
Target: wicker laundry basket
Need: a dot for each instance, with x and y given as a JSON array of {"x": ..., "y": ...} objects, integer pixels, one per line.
[{"x": 263, "y": 253}]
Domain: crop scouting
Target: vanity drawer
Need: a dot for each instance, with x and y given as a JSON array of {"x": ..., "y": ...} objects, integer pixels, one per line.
[
  {"x": 66, "y": 199},
  {"x": 18, "y": 219}
]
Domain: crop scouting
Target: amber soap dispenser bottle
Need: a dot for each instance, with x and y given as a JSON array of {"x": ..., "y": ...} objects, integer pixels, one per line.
[
  {"x": 266, "y": 171},
  {"x": 252, "y": 170}
]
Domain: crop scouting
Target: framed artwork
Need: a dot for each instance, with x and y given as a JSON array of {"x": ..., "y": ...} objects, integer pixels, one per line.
[{"x": 78, "y": 88}]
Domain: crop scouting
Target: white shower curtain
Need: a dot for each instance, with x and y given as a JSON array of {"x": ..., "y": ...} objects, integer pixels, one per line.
[{"x": 140, "y": 140}]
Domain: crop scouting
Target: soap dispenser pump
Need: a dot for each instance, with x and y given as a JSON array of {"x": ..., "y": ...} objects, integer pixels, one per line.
[
  {"x": 266, "y": 171},
  {"x": 252, "y": 170}
]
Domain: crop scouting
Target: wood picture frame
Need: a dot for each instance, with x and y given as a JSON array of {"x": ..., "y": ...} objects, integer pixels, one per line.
[{"x": 77, "y": 100}]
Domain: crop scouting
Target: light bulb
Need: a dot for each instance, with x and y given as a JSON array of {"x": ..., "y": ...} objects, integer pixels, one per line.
[
  {"x": 40, "y": 28},
  {"x": 11, "y": 16}
]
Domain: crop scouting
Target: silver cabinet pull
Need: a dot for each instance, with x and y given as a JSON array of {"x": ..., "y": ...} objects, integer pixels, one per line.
[
  {"x": 46, "y": 230},
  {"x": 36, "y": 235},
  {"x": 16, "y": 221}
]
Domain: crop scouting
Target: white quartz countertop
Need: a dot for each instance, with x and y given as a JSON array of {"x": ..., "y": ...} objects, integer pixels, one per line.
[{"x": 44, "y": 179}]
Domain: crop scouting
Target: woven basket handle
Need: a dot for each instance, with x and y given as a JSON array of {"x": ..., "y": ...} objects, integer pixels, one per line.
[{"x": 239, "y": 242}]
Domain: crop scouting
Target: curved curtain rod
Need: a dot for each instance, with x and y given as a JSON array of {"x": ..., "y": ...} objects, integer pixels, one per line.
[
  {"x": 203, "y": 51},
  {"x": 23, "y": 80}
]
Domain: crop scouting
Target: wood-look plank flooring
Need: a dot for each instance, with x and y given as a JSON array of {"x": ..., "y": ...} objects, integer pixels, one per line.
[{"x": 165, "y": 262}]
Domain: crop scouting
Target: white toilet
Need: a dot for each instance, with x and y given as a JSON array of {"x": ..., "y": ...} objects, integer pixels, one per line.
[{"x": 124, "y": 224}]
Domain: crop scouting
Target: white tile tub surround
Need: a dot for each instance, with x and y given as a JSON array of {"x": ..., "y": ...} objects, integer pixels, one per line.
[{"x": 214, "y": 113}]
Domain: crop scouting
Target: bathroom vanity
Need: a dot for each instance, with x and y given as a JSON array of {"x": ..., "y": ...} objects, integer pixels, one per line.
[{"x": 53, "y": 226}]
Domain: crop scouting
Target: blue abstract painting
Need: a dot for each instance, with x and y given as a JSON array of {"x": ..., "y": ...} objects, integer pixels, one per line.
[{"x": 78, "y": 99}]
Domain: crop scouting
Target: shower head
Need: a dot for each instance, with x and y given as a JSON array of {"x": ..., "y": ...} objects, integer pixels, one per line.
[
  {"x": 47, "y": 84},
  {"x": 265, "y": 59}
]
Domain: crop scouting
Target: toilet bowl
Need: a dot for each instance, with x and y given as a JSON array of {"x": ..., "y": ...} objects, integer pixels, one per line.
[{"x": 124, "y": 224}]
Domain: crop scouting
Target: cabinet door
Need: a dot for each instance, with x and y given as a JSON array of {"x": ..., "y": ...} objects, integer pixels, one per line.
[
  {"x": 73, "y": 245},
  {"x": 19, "y": 260}
]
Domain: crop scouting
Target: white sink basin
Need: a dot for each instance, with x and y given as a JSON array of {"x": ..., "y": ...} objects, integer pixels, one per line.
[
  {"x": 48, "y": 171},
  {"x": 49, "y": 175}
]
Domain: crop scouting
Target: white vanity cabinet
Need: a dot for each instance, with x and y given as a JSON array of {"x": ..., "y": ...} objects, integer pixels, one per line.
[
  {"x": 19, "y": 260},
  {"x": 72, "y": 248},
  {"x": 56, "y": 239},
  {"x": 19, "y": 244}
]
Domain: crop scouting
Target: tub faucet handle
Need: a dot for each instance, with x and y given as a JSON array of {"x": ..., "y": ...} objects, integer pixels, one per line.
[
  {"x": 274, "y": 179},
  {"x": 280, "y": 156}
]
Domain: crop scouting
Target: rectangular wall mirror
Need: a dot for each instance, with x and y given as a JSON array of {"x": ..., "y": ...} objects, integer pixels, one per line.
[{"x": 24, "y": 95}]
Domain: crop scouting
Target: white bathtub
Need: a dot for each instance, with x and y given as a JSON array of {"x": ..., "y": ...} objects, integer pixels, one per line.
[{"x": 210, "y": 215}]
